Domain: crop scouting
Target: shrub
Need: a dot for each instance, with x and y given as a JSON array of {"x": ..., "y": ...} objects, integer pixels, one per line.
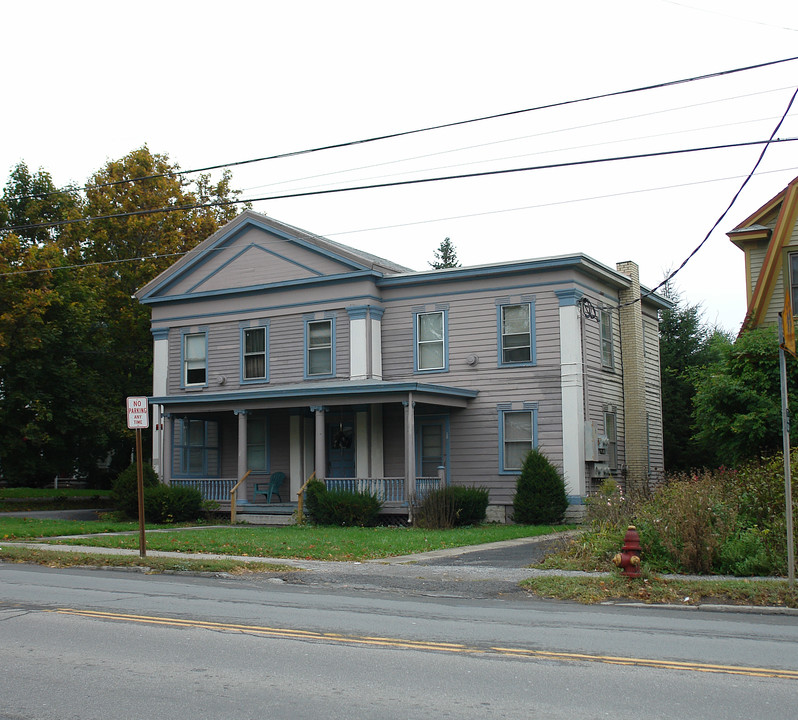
[
  {"x": 167, "y": 504},
  {"x": 125, "y": 493},
  {"x": 746, "y": 553},
  {"x": 540, "y": 497},
  {"x": 452, "y": 506},
  {"x": 609, "y": 507},
  {"x": 341, "y": 507}
]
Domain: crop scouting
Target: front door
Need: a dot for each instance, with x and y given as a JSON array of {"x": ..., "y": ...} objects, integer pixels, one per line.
[
  {"x": 341, "y": 446},
  {"x": 432, "y": 435}
]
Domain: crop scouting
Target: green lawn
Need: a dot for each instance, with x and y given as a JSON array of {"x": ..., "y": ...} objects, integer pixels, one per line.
[
  {"x": 306, "y": 542},
  {"x": 26, "y": 492}
]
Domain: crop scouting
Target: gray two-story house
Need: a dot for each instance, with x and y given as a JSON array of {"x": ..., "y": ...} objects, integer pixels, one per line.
[{"x": 280, "y": 350}]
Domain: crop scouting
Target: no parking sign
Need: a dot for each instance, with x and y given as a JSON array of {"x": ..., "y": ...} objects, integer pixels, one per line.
[{"x": 138, "y": 413}]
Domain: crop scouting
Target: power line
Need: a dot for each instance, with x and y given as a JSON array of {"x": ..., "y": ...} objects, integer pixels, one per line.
[
  {"x": 390, "y": 136},
  {"x": 398, "y": 183},
  {"x": 671, "y": 275}
]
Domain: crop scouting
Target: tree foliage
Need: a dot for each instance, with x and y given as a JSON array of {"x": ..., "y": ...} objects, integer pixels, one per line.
[
  {"x": 73, "y": 342},
  {"x": 445, "y": 256},
  {"x": 687, "y": 344},
  {"x": 738, "y": 399}
]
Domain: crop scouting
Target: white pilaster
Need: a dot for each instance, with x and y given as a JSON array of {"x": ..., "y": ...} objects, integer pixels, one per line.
[{"x": 572, "y": 390}]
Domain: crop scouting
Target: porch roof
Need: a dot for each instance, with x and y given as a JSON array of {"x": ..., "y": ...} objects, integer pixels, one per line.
[{"x": 342, "y": 393}]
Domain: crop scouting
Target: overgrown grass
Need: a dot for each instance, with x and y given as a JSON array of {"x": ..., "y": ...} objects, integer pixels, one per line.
[
  {"x": 57, "y": 559},
  {"x": 655, "y": 589},
  {"x": 306, "y": 542}
]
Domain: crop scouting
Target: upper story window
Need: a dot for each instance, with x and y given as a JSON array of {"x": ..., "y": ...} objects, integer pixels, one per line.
[
  {"x": 195, "y": 358},
  {"x": 319, "y": 344},
  {"x": 516, "y": 334},
  {"x": 605, "y": 330},
  {"x": 517, "y": 430},
  {"x": 254, "y": 348},
  {"x": 794, "y": 283},
  {"x": 430, "y": 341}
]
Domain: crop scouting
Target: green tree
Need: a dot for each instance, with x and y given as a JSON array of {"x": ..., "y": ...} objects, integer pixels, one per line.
[
  {"x": 738, "y": 399},
  {"x": 540, "y": 497},
  {"x": 73, "y": 342},
  {"x": 445, "y": 256},
  {"x": 687, "y": 343}
]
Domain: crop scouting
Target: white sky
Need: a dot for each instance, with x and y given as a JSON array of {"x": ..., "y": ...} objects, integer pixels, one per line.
[{"x": 209, "y": 82}]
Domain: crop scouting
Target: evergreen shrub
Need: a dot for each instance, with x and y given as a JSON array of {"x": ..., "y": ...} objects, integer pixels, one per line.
[
  {"x": 343, "y": 508},
  {"x": 540, "y": 497},
  {"x": 452, "y": 506},
  {"x": 125, "y": 491}
]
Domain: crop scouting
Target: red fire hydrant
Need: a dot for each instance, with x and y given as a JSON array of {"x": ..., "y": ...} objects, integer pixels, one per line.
[{"x": 629, "y": 557}]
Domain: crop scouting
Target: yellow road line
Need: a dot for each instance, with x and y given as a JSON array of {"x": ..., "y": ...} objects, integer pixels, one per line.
[{"x": 293, "y": 634}]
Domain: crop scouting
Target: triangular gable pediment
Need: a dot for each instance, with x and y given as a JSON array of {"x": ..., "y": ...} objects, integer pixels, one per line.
[{"x": 253, "y": 252}]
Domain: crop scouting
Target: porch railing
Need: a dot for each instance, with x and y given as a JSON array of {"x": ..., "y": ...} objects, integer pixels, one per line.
[
  {"x": 390, "y": 489},
  {"x": 217, "y": 489}
]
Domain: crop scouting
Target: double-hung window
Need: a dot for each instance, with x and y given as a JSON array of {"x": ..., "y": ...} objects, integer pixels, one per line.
[
  {"x": 430, "y": 337},
  {"x": 605, "y": 331},
  {"x": 319, "y": 336},
  {"x": 794, "y": 283},
  {"x": 517, "y": 430},
  {"x": 195, "y": 359},
  {"x": 254, "y": 346},
  {"x": 516, "y": 334},
  {"x": 611, "y": 431},
  {"x": 257, "y": 444},
  {"x": 198, "y": 448}
]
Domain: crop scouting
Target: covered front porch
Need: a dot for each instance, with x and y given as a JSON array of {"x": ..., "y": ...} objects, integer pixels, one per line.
[{"x": 387, "y": 438}]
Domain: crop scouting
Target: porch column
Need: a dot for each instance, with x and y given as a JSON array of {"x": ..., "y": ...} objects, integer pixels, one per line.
[
  {"x": 166, "y": 444},
  {"x": 242, "y": 443},
  {"x": 160, "y": 357},
  {"x": 376, "y": 459},
  {"x": 295, "y": 454},
  {"x": 410, "y": 447},
  {"x": 362, "y": 469},
  {"x": 320, "y": 455}
]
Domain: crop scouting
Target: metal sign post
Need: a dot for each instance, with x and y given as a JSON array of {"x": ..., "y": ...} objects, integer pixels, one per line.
[{"x": 138, "y": 418}]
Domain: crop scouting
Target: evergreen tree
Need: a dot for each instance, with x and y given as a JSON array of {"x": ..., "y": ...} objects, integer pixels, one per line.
[
  {"x": 445, "y": 256},
  {"x": 540, "y": 497}
]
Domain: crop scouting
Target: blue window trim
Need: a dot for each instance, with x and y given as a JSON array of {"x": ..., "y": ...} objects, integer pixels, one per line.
[
  {"x": 264, "y": 325},
  {"x": 177, "y": 444},
  {"x": 530, "y": 408},
  {"x": 183, "y": 334},
  {"x": 316, "y": 376},
  {"x": 532, "y": 344},
  {"x": 425, "y": 371}
]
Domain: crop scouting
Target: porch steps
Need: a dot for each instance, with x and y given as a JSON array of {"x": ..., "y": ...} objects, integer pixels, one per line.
[{"x": 276, "y": 514}]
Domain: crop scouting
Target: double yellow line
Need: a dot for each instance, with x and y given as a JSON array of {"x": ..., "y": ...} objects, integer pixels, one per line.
[{"x": 293, "y": 634}]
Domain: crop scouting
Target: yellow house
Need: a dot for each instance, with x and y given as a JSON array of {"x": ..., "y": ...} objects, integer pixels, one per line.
[{"x": 769, "y": 239}]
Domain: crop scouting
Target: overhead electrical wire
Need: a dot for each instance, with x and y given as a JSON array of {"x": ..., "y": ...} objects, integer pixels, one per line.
[
  {"x": 398, "y": 183},
  {"x": 429, "y": 128},
  {"x": 140, "y": 258}
]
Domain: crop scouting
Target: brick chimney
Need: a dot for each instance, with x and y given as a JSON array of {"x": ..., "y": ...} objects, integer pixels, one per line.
[{"x": 634, "y": 385}]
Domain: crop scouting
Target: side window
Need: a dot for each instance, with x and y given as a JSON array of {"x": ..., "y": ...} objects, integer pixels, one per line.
[
  {"x": 517, "y": 433},
  {"x": 198, "y": 448},
  {"x": 319, "y": 337},
  {"x": 794, "y": 283},
  {"x": 255, "y": 357},
  {"x": 516, "y": 334},
  {"x": 430, "y": 341},
  {"x": 605, "y": 327},
  {"x": 195, "y": 365},
  {"x": 611, "y": 431}
]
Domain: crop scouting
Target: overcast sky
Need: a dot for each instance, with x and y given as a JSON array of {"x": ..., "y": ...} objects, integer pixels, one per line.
[{"x": 209, "y": 82}]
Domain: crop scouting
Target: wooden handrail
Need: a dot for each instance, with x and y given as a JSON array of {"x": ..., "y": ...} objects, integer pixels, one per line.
[
  {"x": 234, "y": 495},
  {"x": 300, "y": 516}
]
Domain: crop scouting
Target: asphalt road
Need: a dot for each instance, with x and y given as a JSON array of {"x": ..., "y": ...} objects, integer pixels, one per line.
[{"x": 80, "y": 643}]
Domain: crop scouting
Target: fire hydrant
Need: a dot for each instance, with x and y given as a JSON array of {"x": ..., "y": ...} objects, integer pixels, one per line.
[{"x": 629, "y": 557}]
